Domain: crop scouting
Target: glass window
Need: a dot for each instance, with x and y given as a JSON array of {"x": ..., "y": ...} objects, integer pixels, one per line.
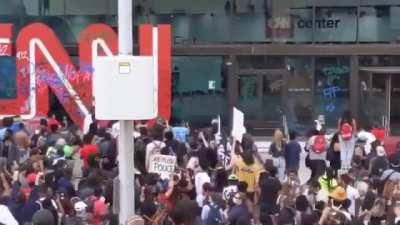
[
  {"x": 331, "y": 88},
  {"x": 8, "y": 84},
  {"x": 299, "y": 102},
  {"x": 199, "y": 89},
  {"x": 386, "y": 60},
  {"x": 302, "y": 24},
  {"x": 261, "y": 62},
  {"x": 189, "y": 7},
  {"x": 336, "y": 24},
  {"x": 379, "y": 24},
  {"x": 220, "y": 21},
  {"x": 373, "y": 105},
  {"x": 248, "y": 101},
  {"x": 271, "y": 99}
]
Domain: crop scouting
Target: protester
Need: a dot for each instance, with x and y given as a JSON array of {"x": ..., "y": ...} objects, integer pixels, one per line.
[
  {"x": 49, "y": 176},
  {"x": 347, "y": 128},
  {"x": 277, "y": 150},
  {"x": 317, "y": 147},
  {"x": 292, "y": 153}
]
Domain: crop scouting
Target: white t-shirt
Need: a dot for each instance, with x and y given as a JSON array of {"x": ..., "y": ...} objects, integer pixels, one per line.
[
  {"x": 152, "y": 148},
  {"x": 6, "y": 217},
  {"x": 352, "y": 195},
  {"x": 368, "y": 137},
  {"x": 200, "y": 179},
  {"x": 229, "y": 191}
]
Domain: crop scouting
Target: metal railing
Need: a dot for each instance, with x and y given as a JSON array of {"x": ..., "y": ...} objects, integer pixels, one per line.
[
  {"x": 285, "y": 125},
  {"x": 386, "y": 125}
]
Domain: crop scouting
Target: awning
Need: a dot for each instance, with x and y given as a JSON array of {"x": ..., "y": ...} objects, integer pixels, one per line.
[{"x": 382, "y": 69}]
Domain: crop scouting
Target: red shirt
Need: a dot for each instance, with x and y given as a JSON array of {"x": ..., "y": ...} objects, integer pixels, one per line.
[
  {"x": 86, "y": 152},
  {"x": 163, "y": 199},
  {"x": 378, "y": 133},
  {"x": 99, "y": 211}
]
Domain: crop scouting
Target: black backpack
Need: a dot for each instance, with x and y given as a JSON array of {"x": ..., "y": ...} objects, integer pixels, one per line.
[
  {"x": 378, "y": 165},
  {"x": 214, "y": 216}
]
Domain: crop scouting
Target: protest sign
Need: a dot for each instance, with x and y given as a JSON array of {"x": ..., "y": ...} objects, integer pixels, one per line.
[
  {"x": 238, "y": 124},
  {"x": 162, "y": 164}
]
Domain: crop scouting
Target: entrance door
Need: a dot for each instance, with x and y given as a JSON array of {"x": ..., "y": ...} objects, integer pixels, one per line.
[
  {"x": 260, "y": 98},
  {"x": 380, "y": 100},
  {"x": 395, "y": 104}
]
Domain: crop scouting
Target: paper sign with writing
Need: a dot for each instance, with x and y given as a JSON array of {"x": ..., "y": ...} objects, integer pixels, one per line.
[
  {"x": 162, "y": 164},
  {"x": 238, "y": 124}
]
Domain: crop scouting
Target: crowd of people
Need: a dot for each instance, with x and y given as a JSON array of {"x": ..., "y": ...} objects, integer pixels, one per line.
[{"x": 55, "y": 174}]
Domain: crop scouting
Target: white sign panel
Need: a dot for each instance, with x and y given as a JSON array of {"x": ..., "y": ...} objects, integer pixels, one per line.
[
  {"x": 238, "y": 124},
  {"x": 125, "y": 88},
  {"x": 211, "y": 85},
  {"x": 162, "y": 164}
]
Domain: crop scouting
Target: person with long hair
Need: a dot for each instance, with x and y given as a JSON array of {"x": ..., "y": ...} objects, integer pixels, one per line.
[
  {"x": 347, "y": 128},
  {"x": 277, "y": 150},
  {"x": 334, "y": 153}
]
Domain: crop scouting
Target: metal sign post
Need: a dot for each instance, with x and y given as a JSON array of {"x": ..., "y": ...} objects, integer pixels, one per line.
[{"x": 125, "y": 139}]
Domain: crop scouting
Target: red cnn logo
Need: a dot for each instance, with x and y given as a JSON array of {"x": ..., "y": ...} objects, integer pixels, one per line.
[{"x": 43, "y": 63}]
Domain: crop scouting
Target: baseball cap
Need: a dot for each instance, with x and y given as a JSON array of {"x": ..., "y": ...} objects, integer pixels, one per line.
[
  {"x": 80, "y": 206},
  {"x": 232, "y": 177},
  {"x": 339, "y": 194},
  {"x": 61, "y": 142},
  {"x": 68, "y": 151},
  {"x": 31, "y": 178},
  {"x": 380, "y": 151}
]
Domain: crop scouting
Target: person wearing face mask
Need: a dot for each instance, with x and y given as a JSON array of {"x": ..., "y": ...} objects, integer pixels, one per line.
[
  {"x": 239, "y": 213},
  {"x": 8, "y": 148}
]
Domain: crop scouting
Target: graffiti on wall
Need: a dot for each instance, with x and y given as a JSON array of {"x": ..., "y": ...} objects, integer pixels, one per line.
[
  {"x": 332, "y": 81},
  {"x": 42, "y": 63}
]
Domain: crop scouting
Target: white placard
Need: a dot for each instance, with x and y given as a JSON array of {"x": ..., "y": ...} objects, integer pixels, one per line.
[
  {"x": 211, "y": 85},
  {"x": 238, "y": 124},
  {"x": 162, "y": 164}
]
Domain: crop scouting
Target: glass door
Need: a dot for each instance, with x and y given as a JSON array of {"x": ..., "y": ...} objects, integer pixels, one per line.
[
  {"x": 271, "y": 98},
  {"x": 375, "y": 99},
  {"x": 260, "y": 99},
  {"x": 395, "y": 104}
]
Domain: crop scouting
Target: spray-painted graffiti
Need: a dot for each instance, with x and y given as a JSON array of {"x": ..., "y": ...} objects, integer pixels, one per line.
[
  {"x": 332, "y": 78},
  {"x": 3, "y": 50},
  {"x": 330, "y": 92},
  {"x": 42, "y": 63},
  {"x": 335, "y": 70}
]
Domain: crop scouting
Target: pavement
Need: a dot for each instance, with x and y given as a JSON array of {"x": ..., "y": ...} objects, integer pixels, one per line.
[{"x": 263, "y": 149}]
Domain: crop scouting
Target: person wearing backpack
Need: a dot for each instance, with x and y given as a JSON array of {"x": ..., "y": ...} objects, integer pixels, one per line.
[
  {"x": 317, "y": 146},
  {"x": 239, "y": 213},
  {"x": 156, "y": 145},
  {"x": 347, "y": 128},
  {"x": 212, "y": 213},
  {"x": 378, "y": 164}
]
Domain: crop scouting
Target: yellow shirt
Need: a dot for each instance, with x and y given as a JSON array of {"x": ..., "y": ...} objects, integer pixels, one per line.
[{"x": 248, "y": 174}]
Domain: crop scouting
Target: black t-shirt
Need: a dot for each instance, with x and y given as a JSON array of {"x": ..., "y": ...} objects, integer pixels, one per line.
[
  {"x": 148, "y": 208},
  {"x": 270, "y": 188},
  {"x": 369, "y": 200},
  {"x": 378, "y": 165},
  {"x": 177, "y": 148}
]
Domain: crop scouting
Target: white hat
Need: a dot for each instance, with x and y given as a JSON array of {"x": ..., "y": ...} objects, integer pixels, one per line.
[
  {"x": 380, "y": 150},
  {"x": 80, "y": 206},
  {"x": 318, "y": 125},
  {"x": 61, "y": 142}
]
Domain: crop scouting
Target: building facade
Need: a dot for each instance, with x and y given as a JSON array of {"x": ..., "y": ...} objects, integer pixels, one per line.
[{"x": 279, "y": 61}]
